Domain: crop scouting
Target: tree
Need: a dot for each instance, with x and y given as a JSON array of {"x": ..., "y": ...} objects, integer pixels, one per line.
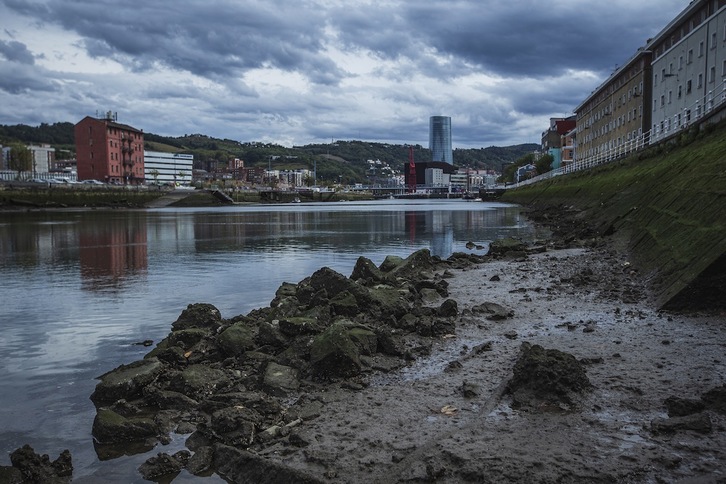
[
  {"x": 544, "y": 164},
  {"x": 155, "y": 174},
  {"x": 20, "y": 158}
]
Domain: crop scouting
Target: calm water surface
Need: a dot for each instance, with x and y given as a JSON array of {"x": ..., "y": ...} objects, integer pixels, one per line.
[{"x": 79, "y": 288}]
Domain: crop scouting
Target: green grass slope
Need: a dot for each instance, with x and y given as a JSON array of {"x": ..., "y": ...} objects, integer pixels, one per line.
[{"x": 667, "y": 204}]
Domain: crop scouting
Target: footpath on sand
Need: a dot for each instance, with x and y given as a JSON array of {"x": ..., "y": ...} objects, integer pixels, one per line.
[{"x": 532, "y": 364}]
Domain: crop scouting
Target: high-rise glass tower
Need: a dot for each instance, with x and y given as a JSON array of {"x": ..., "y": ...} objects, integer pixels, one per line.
[{"x": 440, "y": 139}]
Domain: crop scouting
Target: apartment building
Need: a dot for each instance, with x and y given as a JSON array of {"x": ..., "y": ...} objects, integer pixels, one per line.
[
  {"x": 689, "y": 67},
  {"x": 109, "y": 151},
  {"x": 617, "y": 113}
]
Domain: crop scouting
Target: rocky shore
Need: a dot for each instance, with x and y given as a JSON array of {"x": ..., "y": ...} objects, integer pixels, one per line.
[{"x": 540, "y": 363}]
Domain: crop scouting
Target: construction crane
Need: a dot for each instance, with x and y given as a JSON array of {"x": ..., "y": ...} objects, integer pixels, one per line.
[{"x": 411, "y": 171}]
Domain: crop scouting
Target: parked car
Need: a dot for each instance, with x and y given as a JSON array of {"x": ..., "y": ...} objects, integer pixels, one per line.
[
  {"x": 37, "y": 180},
  {"x": 92, "y": 182}
]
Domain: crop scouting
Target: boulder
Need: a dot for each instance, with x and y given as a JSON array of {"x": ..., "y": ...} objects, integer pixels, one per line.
[
  {"x": 546, "y": 378},
  {"x": 198, "y": 316},
  {"x": 448, "y": 309},
  {"x": 697, "y": 422},
  {"x": 111, "y": 428},
  {"x": 390, "y": 263},
  {"x": 503, "y": 246},
  {"x": 161, "y": 465},
  {"x": 33, "y": 467},
  {"x": 126, "y": 381},
  {"x": 333, "y": 353},
  {"x": 198, "y": 381},
  {"x": 299, "y": 325},
  {"x": 279, "y": 380},
  {"x": 330, "y": 281},
  {"x": 237, "y": 339},
  {"x": 186, "y": 338},
  {"x": 366, "y": 271},
  {"x": 415, "y": 266}
]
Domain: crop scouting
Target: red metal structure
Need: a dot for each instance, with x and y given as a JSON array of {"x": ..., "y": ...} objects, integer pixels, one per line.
[{"x": 411, "y": 171}]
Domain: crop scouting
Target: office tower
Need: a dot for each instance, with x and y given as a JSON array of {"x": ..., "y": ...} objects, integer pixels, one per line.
[{"x": 440, "y": 139}]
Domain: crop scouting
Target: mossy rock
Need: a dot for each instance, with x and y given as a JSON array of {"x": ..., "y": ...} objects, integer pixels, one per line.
[
  {"x": 509, "y": 244},
  {"x": 187, "y": 337},
  {"x": 126, "y": 381},
  {"x": 334, "y": 353},
  {"x": 237, "y": 339},
  {"x": 199, "y": 315},
  {"x": 111, "y": 428}
]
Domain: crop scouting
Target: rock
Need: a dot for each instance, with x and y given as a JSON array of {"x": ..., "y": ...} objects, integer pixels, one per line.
[
  {"x": 546, "y": 377},
  {"x": 334, "y": 353},
  {"x": 332, "y": 282},
  {"x": 236, "y": 425},
  {"x": 390, "y": 263},
  {"x": 198, "y": 381},
  {"x": 365, "y": 270},
  {"x": 299, "y": 325},
  {"x": 35, "y": 468},
  {"x": 470, "y": 390},
  {"x": 698, "y": 422},
  {"x": 270, "y": 334},
  {"x": 413, "y": 266},
  {"x": 715, "y": 399},
  {"x": 237, "y": 465},
  {"x": 126, "y": 381},
  {"x": 344, "y": 304},
  {"x": 279, "y": 380},
  {"x": 680, "y": 407},
  {"x": 493, "y": 311},
  {"x": 237, "y": 339},
  {"x": 186, "y": 338},
  {"x": 198, "y": 316},
  {"x": 201, "y": 461},
  {"x": 502, "y": 246},
  {"x": 167, "y": 399},
  {"x": 448, "y": 309},
  {"x": 111, "y": 428},
  {"x": 162, "y": 465}
]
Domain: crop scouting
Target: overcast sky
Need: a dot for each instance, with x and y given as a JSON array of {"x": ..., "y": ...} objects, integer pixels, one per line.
[{"x": 312, "y": 71}]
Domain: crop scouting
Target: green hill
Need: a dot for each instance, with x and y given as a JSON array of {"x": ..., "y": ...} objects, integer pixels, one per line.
[{"x": 341, "y": 159}]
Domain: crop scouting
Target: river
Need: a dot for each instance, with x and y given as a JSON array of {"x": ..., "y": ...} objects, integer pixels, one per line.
[{"x": 80, "y": 289}]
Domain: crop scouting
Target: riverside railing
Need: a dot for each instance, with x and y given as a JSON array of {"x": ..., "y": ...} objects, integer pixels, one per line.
[{"x": 689, "y": 116}]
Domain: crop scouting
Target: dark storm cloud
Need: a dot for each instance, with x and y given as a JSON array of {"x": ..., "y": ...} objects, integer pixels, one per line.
[
  {"x": 18, "y": 78},
  {"x": 511, "y": 38},
  {"x": 212, "y": 39},
  {"x": 16, "y": 51}
]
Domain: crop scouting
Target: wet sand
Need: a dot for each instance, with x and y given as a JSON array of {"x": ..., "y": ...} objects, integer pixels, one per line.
[{"x": 447, "y": 418}]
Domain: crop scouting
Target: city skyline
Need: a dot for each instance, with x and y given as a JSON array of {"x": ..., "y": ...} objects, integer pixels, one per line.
[{"x": 300, "y": 73}]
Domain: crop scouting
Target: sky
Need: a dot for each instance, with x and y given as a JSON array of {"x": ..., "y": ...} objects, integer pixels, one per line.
[{"x": 296, "y": 72}]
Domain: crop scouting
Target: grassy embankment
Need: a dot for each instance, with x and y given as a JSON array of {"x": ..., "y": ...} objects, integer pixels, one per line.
[{"x": 667, "y": 204}]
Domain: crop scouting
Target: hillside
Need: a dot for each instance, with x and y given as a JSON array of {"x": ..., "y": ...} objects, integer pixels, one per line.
[
  {"x": 666, "y": 205},
  {"x": 346, "y": 160}
]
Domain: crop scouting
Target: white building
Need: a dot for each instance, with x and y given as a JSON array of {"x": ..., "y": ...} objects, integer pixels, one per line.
[
  {"x": 434, "y": 177},
  {"x": 43, "y": 158},
  {"x": 163, "y": 167},
  {"x": 689, "y": 67}
]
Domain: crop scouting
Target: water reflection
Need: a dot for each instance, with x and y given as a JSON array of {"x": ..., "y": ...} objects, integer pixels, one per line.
[
  {"x": 80, "y": 287},
  {"x": 111, "y": 251}
]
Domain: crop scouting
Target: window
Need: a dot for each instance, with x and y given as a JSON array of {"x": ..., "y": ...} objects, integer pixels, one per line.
[
  {"x": 713, "y": 40},
  {"x": 670, "y": 97},
  {"x": 680, "y": 63},
  {"x": 655, "y": 79},
  {"x": 680, "y": 91},
  {"x": 700, "y": 49},
  {"x": 690, "y": 56},
  {"x": 712, "y": 75},
  {"x": 700, "y": 80},
  {"x": 688, "y": 86},
  {"x": 723, "y": 69},
  {"x": 662, "y": 100}
]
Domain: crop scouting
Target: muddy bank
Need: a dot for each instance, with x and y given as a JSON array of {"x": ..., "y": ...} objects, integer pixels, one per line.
[{"x": 540, "y": 363}]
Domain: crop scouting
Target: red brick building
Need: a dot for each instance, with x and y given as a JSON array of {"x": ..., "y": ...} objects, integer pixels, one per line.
[{"x": 109, "y": 151}]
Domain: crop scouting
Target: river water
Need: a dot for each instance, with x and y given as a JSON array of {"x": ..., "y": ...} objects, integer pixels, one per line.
[{"x": 80, "y": 288}]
